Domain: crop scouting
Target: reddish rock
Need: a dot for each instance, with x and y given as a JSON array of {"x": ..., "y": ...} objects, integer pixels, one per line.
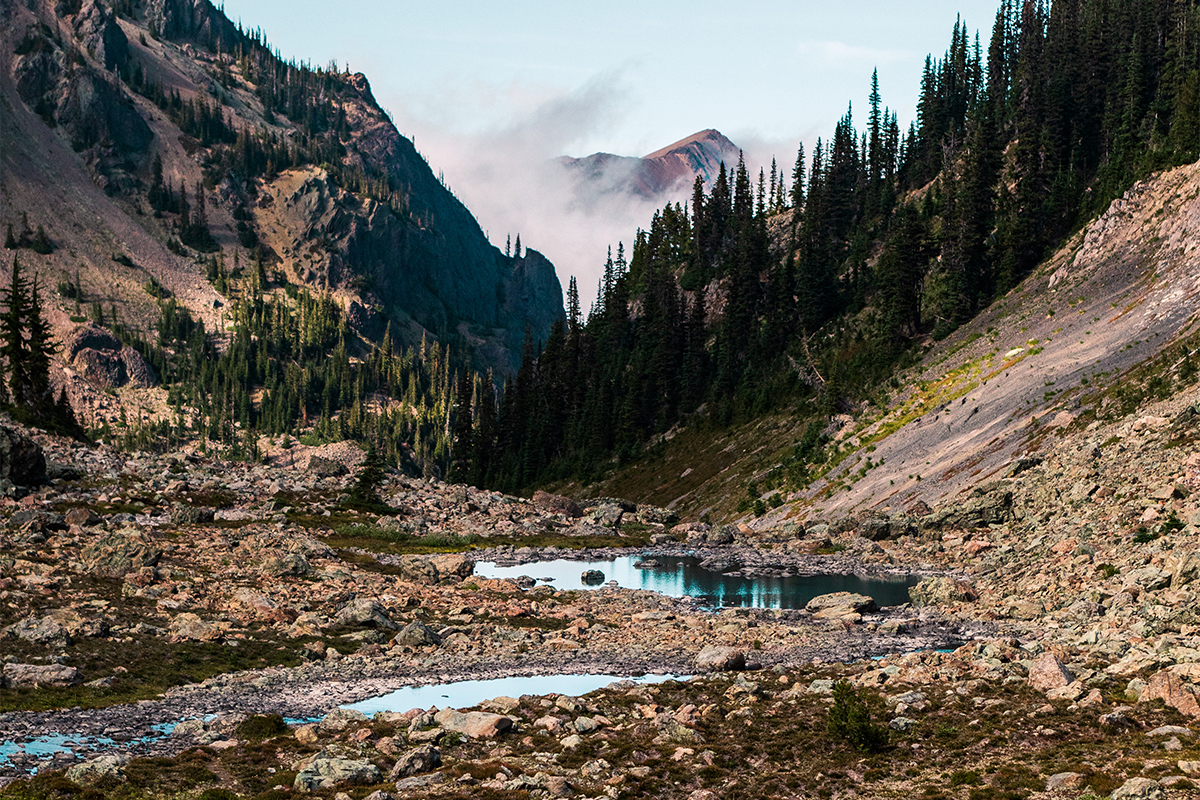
[
  {"x": 556, "y": 504},
  {"x": 476, "y": 724},
  {"x": 1174, "y": 691},
  {"x": 1048, "y": 673}
]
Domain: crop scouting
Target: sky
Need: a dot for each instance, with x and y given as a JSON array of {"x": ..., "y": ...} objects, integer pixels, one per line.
[{"x": 491, "y": 92}]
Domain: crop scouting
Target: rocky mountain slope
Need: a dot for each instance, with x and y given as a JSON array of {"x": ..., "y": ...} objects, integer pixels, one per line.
[
  {"x": 294, "y": 166},
  {"x": 1105, "y": 323},
  {"x": 1050, "y": 652},
  {"x": 663, "y": 173}
]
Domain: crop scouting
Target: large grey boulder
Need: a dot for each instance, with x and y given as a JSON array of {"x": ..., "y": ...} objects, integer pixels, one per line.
[
  {"x": 40, "y": 675},
  {"x": 417, "y": 634},
  {"x": 367, "y": 614},
  {"x": 330, "y": 773},
  {"x": 985, "y": 505},
  {"x": 425, "y": 758}
]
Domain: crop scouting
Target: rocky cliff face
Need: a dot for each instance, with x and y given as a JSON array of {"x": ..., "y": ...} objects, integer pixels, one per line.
[{"x": 111, "y": 96}]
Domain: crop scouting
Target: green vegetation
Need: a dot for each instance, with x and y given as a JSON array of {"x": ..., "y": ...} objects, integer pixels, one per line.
[
  {"x": 892, "y": 238},
  {"x": 850, "y": 720}
]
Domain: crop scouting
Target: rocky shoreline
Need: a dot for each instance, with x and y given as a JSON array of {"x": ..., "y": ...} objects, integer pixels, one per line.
[{"x": 313, "y": 690}]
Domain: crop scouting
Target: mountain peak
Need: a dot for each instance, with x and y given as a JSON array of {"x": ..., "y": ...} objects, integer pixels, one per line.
[
  {"x": 708, "y": 139},
  {"x": 660, "y": 173}
]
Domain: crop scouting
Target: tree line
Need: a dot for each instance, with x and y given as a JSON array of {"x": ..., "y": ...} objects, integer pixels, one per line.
[{"x": 892, "y": 237}]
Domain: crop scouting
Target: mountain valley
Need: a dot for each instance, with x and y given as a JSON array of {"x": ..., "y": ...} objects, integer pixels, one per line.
[{"x": 313, "y": 399}]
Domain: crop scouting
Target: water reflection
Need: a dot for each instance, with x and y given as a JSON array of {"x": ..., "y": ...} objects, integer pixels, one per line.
[{"x": 682, "y": 576}]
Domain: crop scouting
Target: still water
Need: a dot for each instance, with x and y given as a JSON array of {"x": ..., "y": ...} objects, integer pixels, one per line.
[
  {"x": 464, "y": 694},
  {"x": 681, "y": 576}
]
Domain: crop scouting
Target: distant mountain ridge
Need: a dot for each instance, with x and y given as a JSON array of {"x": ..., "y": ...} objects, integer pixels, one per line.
[{"x": 670, "y": 169}]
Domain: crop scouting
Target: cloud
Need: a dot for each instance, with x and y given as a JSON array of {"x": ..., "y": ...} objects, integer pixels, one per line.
[{"x": 506, "y": 174}]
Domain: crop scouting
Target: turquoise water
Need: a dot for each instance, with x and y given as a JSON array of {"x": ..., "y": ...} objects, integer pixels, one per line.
[
  {"x": 681, "y": 576},
  {"x": 54, "y": 743},
  {"x": 464, "y": 694}
]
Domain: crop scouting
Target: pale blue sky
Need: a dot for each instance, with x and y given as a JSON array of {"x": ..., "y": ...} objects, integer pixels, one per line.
[
  {"x": 663, "y": 69},
  {"x": 491, "y": 91}
]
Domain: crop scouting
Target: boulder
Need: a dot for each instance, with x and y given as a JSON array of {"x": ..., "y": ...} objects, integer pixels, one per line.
[
  {"x": 1139, "y": 789},
  {"x": 857, "y": 603},
  {"x": 417, "y": 634},
  {"x": 425, "y": 758},
  {"x": 715, "y": 658},
  {"x": 35, "y": 675},
  {"x": 592, "y": 577},
  {"x": 21, "y": 458},
  {"x": 119, "y": 553},
  {"x": 941, "y": 592},
  {"x": 1173, "y": 690},
  {"x": 366, "y": 613},
  {"x": 556, "y": 504},
  {"x": 475, "y": 724},
  {"x": 1048, "y": 673},
  {"x": 329, "y": 773},
  {"x": 107, "y": 767}
]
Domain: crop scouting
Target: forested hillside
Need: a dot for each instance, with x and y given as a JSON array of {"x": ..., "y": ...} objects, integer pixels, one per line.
[{"x": 753, "y": 297}]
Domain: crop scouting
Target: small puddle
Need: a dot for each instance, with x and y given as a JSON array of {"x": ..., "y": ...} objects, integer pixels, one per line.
[
  {"x": 52, "y": 744},
  {"x": 682, "y": 576},
  {"x": 465, "y": 694}
]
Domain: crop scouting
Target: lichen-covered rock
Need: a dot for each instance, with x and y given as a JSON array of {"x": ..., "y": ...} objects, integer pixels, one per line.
[
  {"x": 941, "y": 591},
  {"x": 119, "y": 553},
  {"x": 106, "y": 767},
  {"x": 40, "y": 675},
  {"x": 425, "y": 758},
  {"x": 366, "y": 613},
  {"x": 330, "y": 773},
  {"x": 417, "y": 634}
]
